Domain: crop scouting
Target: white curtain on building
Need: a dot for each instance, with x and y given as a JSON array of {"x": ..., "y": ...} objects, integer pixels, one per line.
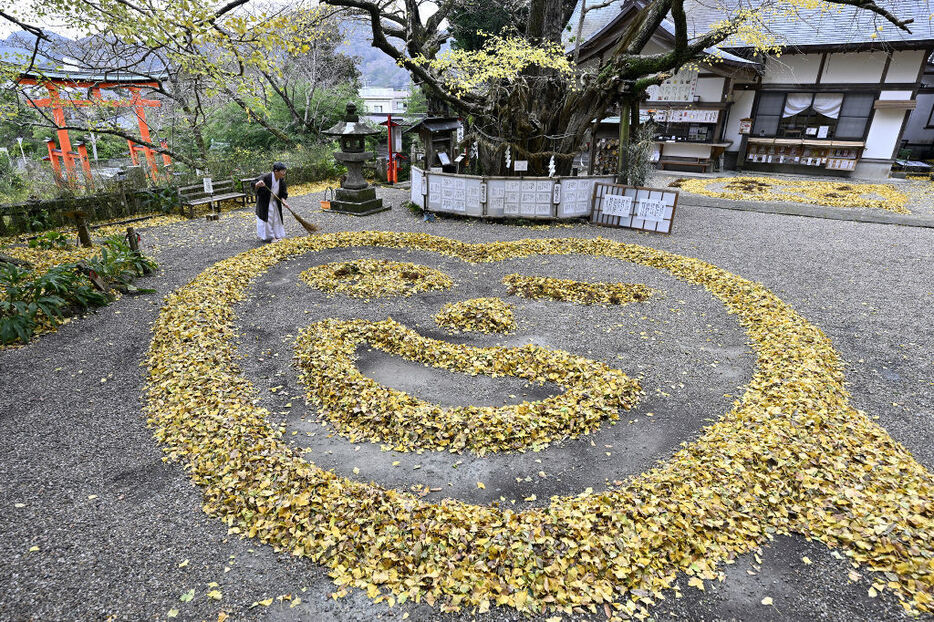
[
  {"x": 796, "y": 102},
  {"x": 828, "y": 104}
]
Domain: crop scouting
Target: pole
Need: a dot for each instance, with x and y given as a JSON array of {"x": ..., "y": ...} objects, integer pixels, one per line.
[
  {"x": 621, "y": 173},
  {"x": 390, "y": 170},
  {"x": 64, "y": 142},
  {"x": 21, "y": 152},
  {"x": 93, "y": 145}
]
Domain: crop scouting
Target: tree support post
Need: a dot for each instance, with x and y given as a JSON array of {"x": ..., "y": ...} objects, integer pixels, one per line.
[
  {"x": 84, "y": 233},
  {"x": 622, "y": 175}
]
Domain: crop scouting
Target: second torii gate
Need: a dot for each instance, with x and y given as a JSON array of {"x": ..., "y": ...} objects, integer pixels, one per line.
[{"x": 55, "y": 81}]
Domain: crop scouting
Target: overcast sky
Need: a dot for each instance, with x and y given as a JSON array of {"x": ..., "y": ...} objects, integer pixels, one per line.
[{"x": 20, "y": 10}]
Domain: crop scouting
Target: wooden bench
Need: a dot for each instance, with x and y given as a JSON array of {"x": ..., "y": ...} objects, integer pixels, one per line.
[
  {"x": 701, "y": 163},
  {"x": 246, "y": 186},
  {"x": 190, "y": 196}
]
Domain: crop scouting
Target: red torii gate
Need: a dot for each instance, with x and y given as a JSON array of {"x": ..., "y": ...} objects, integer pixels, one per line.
[{"x": 55, "y": 81}]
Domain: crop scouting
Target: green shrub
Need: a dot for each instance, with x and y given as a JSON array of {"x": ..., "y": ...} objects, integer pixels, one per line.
[
  {"x": 22, "y": 302},
  {"x": 159, "y": 199},
  {"x": 49, "y": 240},
  {"x": 414, "y": 208},
  {"x": 118, "y": 264},
  {"x": 63, "y": 289}
]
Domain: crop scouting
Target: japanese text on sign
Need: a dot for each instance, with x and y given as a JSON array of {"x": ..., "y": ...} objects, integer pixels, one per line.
[
  {"x": 648, "y": 209},
  {"x": 617, "y": 205}
]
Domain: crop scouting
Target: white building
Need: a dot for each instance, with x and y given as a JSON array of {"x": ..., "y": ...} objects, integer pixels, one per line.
[
  {"x": 380, "y": 102},
  {"x": 837, "y": 101}
]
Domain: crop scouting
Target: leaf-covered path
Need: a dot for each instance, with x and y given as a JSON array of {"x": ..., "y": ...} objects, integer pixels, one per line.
[{"x": 94, "y": 523}]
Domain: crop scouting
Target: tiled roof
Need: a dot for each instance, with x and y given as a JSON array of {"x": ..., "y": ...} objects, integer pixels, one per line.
[
  {"x": 598, "y": 20},
  {"x": 836, "y": 25},
  {"x": 595, "y": 21}
]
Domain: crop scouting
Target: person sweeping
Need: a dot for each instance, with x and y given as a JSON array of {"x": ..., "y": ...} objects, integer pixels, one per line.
[{"x": 271, "y": 192}]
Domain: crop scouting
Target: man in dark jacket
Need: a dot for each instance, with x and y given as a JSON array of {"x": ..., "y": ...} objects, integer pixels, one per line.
[{"x": 269, "y": 224}]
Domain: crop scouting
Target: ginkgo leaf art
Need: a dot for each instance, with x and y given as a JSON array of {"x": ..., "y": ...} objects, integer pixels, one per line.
[
  {"x": 375, "y": 278},
  {"x": 577, "y": 291},
  {"x": 791, "y": 456},
  {"x": 829, "y": 193},
  {"x": 480, "y": 315},
  {"x": 362, "y": 409}
]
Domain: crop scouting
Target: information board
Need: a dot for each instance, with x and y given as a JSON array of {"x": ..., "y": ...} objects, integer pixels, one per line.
[
  {"x": 576, "y": 195},
  {"x": 504, "y": 197},
  {"x": 678, "y": 88},
  {"x": 650, "y": 209},
  {"x": 617, "y": 205},
  {"x": 419, "y": 187}
]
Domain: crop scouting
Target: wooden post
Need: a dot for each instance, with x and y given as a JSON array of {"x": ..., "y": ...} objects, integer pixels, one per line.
[
  {"x": 622, "y": 176},
  {"x": 132, "y": 240},
  {"x": 84, "y": 234}
]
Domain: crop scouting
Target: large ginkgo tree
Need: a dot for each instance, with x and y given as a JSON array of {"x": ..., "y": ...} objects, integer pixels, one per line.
[{"x": 523, "y": 90}]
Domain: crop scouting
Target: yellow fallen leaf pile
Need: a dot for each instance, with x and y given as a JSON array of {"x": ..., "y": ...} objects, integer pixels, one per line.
[
  {"x": 479, "y": 315},
  {"x": 42, "y": 259},
  {"x": 827, "y": 193},
  {"x": 149, "y": 223},
  {"x": 107, "y": 228},
  {"x": 576, "y": 291},
  {"x": 375, "y": 278},
  {"x": 362, "y": 409},
  {"x": 314, "y": 186},
  {"x": 792, "y": 455}
]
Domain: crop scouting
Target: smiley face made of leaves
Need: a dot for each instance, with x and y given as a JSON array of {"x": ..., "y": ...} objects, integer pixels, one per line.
[
  {"x": 361, "y": 408},
  {"x": 791, "y": 456}
]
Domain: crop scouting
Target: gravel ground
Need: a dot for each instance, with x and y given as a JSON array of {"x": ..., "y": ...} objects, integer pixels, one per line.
[{"x": 82, "y": 479}]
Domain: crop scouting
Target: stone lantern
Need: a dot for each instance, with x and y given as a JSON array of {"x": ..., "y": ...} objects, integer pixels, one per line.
[{"x": 355, "y": 196}]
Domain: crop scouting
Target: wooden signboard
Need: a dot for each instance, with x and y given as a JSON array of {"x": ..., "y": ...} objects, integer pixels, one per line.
[{"x": 632, "y": 207}]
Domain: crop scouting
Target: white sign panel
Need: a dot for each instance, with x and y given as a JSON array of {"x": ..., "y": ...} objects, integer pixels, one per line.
[
  {"x": 419, "y": 187},
  {"x": 520, "y": 166},
  {"x": 617, "y": 205},
  {"x": 475, "y": 196},
  {"x": 650, "y": 210},
  {"x": 576, "y": 193},
  {"x": 208, "y": 185},
  {"x": 453, "y": 194},
  {"x": 496, "y": 198},
  {"x": 678, "y": 88}
]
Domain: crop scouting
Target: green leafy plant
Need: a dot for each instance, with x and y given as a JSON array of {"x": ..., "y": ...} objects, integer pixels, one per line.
[
  {"x": 49, "y": 240},
  {"x": 161, "y": 199},
  {"x": 22, "y": 301},
  {"x": 67, "y": 282},
  {"x": 414, "y": 208},
  {"x": 118, "y": 263}
]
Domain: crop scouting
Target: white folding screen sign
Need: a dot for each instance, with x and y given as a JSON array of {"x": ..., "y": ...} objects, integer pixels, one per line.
[{"x": 630, "y": 207}]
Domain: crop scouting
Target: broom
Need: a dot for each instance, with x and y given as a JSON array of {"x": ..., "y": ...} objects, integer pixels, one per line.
[{"x": 309, "y": 227}]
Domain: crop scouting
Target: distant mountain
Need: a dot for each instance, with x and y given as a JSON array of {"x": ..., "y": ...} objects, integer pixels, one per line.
[
  {"x": 18, "y": 47},
  {"x": 376, "y": 68}
]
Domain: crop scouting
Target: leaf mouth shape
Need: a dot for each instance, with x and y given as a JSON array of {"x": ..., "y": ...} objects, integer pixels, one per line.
[
  {"x": 363, "y": 409},
  {"x": 375, "y": 278}
]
